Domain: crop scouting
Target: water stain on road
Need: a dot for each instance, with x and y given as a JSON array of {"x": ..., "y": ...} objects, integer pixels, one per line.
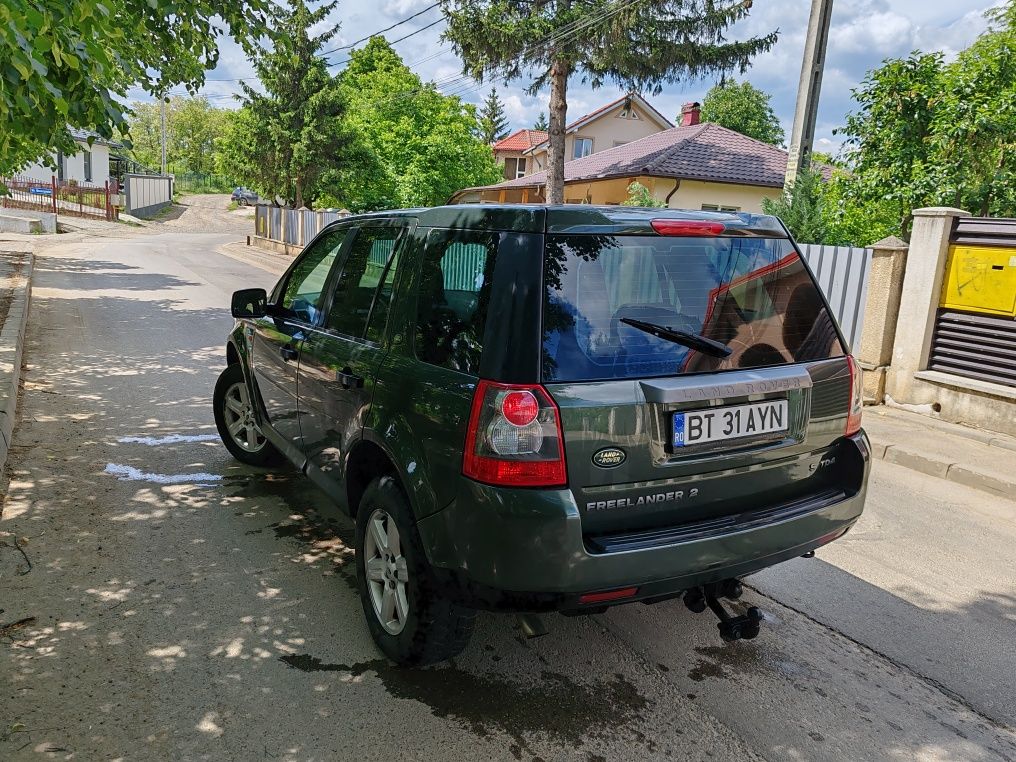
[{"x": 490, "y": 703}]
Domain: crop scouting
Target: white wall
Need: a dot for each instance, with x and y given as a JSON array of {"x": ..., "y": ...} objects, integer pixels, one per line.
[{"x": 74, "y": 167}]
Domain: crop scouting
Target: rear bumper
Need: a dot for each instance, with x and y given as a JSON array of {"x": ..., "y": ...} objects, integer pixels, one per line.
[{"x": 524, "y": 549}]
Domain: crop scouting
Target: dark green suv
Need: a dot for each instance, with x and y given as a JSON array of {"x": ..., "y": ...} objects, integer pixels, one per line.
[{"x": 534, "y": 408}]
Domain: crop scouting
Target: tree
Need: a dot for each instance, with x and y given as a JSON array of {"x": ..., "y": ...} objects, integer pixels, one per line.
[
  {"x": 193, "y": 128},
  {"x": 802, "y": 207},
  {"x": 541, "y": 122},
  {"x": 492, "y": 121},
  {"x": 889, "y": 138},
  {"x": 70, "y": 64},
  {"x": 637, "y": 45},
  {"x": 639, "y": 195},
  {"x": 290, "y": 135},
  {"x": 411, "y": 145},
  {"x": 745, "y": 109}
]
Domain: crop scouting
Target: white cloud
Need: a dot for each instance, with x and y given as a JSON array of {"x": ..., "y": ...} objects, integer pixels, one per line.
[{"x": 862, "y": 34}]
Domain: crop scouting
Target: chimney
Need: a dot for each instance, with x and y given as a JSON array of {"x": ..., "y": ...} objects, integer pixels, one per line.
[{"x": 691, "y": 114}]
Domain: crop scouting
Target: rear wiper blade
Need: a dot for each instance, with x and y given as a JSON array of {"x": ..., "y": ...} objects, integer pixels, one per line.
[{"x": 694, "y": 340}]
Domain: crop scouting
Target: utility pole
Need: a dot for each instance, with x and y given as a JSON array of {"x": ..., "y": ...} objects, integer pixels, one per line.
[
  {"x": 802, "y": 137},
  {"x": 162, "y": 104}
]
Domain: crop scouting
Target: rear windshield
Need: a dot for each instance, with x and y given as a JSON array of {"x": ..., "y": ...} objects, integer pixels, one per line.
[{"x": 752, "y": 295}]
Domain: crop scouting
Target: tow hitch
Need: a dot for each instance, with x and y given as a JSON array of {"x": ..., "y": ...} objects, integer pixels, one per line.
[{"x": 742, "y": 627}]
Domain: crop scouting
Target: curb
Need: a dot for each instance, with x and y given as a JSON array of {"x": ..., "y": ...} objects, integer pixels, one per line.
[
  {"x": 960, "y": 473},
  {"x": 12, "y": 341}
]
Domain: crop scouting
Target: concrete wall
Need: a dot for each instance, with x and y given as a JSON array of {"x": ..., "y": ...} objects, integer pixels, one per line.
[
  {"x": 909, "y": 383},
  {"x": 606, "y": 131}
]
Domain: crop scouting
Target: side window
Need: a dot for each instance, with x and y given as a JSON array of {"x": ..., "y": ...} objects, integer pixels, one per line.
[
  {"x": 383, "y": 299},
  {"x": 360, "y": 277},
  {"x": 306, "y": 283},
  {"x": 453, "y": 296}
]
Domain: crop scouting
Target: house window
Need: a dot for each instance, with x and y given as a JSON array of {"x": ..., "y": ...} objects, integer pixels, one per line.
[
  {"x": 628, "y": 113},
  {"x": 583, "y": 147},
  {"x": 514, "y": 168},
  {"x": 719, "y": 208},
  {"x": 620, "y": 143},
  {"x": 88, "y": 166}
]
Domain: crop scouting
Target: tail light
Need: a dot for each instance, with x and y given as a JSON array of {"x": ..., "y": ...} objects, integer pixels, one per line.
[
  {"x": 856, "y": 398},
  {"x": 514, "y": 437}
]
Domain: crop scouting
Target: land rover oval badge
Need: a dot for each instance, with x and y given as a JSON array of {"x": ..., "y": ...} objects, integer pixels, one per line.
[{"x": 609, "y": 457}]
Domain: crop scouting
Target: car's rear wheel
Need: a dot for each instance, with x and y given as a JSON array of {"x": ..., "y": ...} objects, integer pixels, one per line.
[
  {"x": 234, "y": 418},
  {"x": 409, "y": 619},
  {"x": 241, "y": 201}
]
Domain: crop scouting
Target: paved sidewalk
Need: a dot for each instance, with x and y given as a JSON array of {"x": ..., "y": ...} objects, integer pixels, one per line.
[{"x": 981, "y": 459}]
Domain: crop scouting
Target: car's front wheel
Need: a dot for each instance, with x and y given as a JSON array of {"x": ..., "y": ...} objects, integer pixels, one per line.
[
  {"x": 408, "y": 617},
  {"x": 234, "y": 418}
]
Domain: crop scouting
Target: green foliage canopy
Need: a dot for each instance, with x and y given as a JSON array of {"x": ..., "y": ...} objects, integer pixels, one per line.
[
  {"x": 930, "y": 133},
  {"x": 193, "y": 130},
  {"x": 637, "y": 45},
  {"x": 411, "y": 145},
  {"x": 70, "y": 64},
  {"x": 493, "y": 124},
  {"x": 287, "y": 138},
  {"x": 745, "y": 109}
]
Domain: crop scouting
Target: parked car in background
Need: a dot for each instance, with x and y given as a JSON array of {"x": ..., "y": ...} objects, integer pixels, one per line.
[
  {"x": 243, "y": 196},
  {"x": 562, "y": 408}
]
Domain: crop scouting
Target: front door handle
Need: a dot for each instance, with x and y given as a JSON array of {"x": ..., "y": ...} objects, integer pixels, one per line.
[
  {"x": 348, "y": 379},
  {"x": 289, "y": 353}
]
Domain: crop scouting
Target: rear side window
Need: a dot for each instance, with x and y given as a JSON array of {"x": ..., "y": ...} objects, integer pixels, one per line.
[
  {"x": 454, "y": 292},
  {"x": 752, "y": 295},
  {"x": 361, "y": 274}
]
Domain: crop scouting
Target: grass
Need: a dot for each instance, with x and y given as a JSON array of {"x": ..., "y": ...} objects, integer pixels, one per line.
[{"x": 233, "y": 205}]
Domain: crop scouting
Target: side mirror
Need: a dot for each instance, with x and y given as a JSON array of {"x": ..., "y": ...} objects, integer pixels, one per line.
[{"x": 250, "y": 303}]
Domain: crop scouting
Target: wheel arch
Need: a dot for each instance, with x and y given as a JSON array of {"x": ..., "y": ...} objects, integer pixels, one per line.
[{"x": 368, "y": 460}]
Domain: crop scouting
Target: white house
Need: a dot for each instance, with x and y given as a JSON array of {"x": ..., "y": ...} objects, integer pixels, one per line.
[{"x": 90, "y": 165}]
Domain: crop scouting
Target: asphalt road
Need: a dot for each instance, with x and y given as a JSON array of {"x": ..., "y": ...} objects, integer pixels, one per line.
[{"x": 186, "y": 607}]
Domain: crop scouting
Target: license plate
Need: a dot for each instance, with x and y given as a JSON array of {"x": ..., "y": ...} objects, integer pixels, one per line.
[{"x": 735, "y": 422}]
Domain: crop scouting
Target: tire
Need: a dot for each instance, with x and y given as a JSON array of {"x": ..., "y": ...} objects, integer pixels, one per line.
[
  {"x": 233, "y": 419},
  {"x": 424, "y": 627},
  {"x": 242, "y": 201}
]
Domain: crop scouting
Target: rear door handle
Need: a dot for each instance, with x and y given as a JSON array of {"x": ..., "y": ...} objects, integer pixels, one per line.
[
  {"x": 289, "y": 353},
  {"x": 348, "y": 379}
]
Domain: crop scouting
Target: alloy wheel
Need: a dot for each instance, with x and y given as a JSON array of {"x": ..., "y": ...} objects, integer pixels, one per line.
[
  {"x": 239, "y": 417},
  {"x": 387, "y": 572}
]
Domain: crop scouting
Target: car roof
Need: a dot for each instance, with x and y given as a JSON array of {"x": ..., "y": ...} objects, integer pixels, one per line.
[{"x": 571, "y": 218}]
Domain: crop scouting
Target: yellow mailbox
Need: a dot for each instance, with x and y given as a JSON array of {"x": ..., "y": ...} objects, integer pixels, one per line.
[{"x": 981, "y": 279}]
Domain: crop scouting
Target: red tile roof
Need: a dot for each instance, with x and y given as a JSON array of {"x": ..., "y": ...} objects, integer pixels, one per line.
[
  {"x": 521, "y": 140},
  {"x": 705, "y": 152}
]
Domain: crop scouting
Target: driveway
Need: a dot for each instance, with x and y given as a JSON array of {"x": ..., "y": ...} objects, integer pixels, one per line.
[{"x": 180, "y": 606}]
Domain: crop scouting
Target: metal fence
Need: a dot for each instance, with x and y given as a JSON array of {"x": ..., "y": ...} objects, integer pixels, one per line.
[
  {"x": 292, "y": 226},
  {"x": 59, "y": 197},
  {"x": 146, "y": 195},
  {"x": 842, "y": 272}
]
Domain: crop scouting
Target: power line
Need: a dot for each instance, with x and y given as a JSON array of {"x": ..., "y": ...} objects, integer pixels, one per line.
[
  {"x": 392, "y": 42},
  {"x": 381, "y": 31}
]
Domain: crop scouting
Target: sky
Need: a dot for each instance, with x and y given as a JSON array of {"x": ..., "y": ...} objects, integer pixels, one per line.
[{"x": 863, "y": 33}]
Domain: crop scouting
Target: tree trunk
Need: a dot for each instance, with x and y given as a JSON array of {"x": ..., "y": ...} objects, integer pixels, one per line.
[{"x": 558, "y": 114}]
